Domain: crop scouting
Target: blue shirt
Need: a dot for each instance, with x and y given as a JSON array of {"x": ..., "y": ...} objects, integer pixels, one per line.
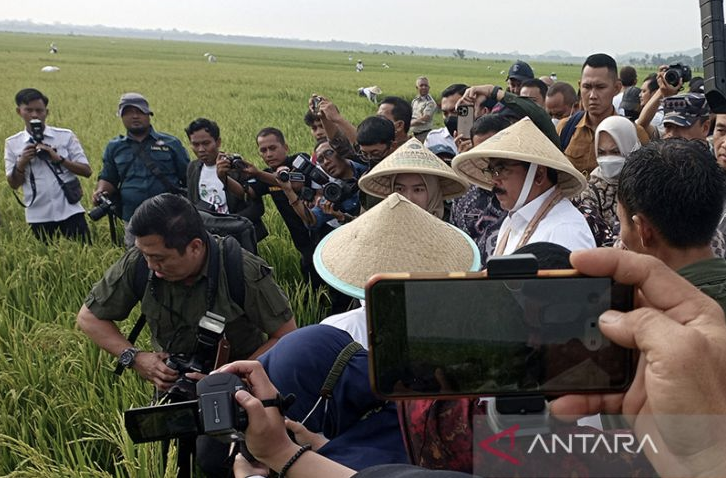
[
  {"x": 125, "y": 168},
  {"x": 350, "y": 206}
]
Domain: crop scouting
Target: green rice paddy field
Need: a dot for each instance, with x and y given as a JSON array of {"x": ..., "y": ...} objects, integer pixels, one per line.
[{"x": 60, "y": 405}]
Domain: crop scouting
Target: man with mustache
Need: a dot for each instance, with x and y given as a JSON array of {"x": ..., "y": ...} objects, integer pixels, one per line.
[{"x": 532, "y": 180}]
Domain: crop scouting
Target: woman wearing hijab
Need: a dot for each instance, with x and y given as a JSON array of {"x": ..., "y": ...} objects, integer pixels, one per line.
[
  {"x": 417, "y": 174},
  {"x": 615, "y": 138}
]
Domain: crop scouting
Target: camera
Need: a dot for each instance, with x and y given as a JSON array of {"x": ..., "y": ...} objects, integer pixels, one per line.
[
  {"x": 676, "y": 72},
  {"x": 287, "y": 176},
  {"x": 184, "y": 388},
  {"x": 36, "y": 130},
  {"x": 236, "y": 161},
  {"x": 105, "y": 206},
  {"x": 213, "y": 411},
  {"x": 337, "y": 193},
  {"x": 312, "y": 172},
  {"x": 316, "y": 104}
]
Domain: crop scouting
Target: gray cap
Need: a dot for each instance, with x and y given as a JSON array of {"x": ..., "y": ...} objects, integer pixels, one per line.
[{"x": 134, "y": 99}]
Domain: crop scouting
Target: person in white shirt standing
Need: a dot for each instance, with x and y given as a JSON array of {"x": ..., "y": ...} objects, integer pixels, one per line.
[
  {"x": 40, "y": 158},
  {"x": 532, "y": 180}
]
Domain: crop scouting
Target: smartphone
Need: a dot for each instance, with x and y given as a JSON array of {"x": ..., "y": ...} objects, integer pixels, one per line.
[
  {"x": 441, "y": 336},
  {"x": 464, "y": 120}
]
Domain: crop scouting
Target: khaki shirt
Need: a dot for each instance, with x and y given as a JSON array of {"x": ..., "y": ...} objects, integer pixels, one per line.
[
  {"x": 423, "y": 106},
  {"x": 173, "y": 309},
  {"x": 581, "y": 150}
]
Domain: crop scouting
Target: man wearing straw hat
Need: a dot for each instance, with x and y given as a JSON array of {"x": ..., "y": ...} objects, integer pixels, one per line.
[
  {"x": 419, "y": 175},
  {"x": 393, "y": 236},
  {"x": 532, "y": 180}
]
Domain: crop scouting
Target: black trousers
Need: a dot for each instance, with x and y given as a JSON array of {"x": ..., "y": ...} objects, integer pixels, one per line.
[{"x": 75, "y": 227}]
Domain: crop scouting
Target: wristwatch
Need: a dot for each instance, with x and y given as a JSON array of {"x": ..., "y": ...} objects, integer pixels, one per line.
[{"x": 126, "y": 359}]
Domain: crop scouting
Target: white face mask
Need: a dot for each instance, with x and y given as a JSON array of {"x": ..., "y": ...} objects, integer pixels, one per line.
[
  {"x": 555, "y": 121},
  {"x": 610, "y": 166}
]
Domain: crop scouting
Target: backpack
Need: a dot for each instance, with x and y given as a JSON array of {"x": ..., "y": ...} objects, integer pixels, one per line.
[
  {"x": 232, "y": 255},
  {"x": 569, "y": 129},
  {"x": 231, "y": 225}
]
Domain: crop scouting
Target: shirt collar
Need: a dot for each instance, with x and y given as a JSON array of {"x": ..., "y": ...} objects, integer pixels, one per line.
[{"x": 527, "y": 212}]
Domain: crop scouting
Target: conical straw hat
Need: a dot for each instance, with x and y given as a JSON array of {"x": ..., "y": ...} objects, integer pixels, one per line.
[
  {"x": 522, "y": 141},
  {"x": 394, "y": 236},
  {"x": 412, "y": 157}
]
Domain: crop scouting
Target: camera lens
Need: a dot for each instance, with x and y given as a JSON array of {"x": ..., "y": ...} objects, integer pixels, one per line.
[{"x": 672, "y": 76}]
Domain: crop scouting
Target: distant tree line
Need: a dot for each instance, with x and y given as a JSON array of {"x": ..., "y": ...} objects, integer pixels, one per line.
[{"x": 695, "y": 62}]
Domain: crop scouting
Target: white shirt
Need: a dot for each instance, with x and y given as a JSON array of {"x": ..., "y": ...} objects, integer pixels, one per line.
[
  {"x": 353, "y": 322},
  {"x": 440, "y": 136},
  {"x": 211, "y": 189},
  {"x": 50, "y": 204},
  {"x": 563, "y": 225}
]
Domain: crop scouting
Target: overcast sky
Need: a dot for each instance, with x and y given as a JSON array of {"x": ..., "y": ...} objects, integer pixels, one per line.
[{"x": 528, "y": 26}]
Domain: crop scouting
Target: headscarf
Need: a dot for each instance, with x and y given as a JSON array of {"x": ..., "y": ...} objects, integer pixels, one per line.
[{"x": 623, "y": 132}]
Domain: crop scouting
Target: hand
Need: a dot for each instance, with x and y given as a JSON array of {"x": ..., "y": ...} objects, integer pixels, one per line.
[
  {"x": 475, "y": 95},
  {"x": 284, "y": 185},
  {"x": 266, "y": 436},
  {"x": 152, "y": 366},
  {"x": 26, "y": 156},
  {"x": 462, "y": 144},
  {"x": 681, "y": 335},
  {"x": 303, "y": 436},
  {"x": 329, "y": 111},
  {"x": 666, "y": 88},
  {"x": 243, "y": 468},
  {"x": 223, "y": 166},
  {"x": 52, "y": 153}
]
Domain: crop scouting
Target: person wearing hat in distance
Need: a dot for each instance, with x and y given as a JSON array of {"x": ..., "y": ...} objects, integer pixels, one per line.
[
  {"x": 410, "y": 240},
  {"x": 615, "y": 138},
  {"x": 686, "y": 116},
  {"x": 125, "y": 171},
  {"x": 519, "y": 72},
  {"x": 532, "y": 180},
  {"x": 417, "y": 174}
]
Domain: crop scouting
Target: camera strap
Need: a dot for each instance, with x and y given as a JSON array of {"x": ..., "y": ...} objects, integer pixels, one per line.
[
  {"x": 32, "y": 188},
  {"x": 154, "y": 169}
]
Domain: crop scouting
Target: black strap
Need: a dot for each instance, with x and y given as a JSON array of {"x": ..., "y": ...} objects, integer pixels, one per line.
[
  {"x": 326, "y": 391},
  {"x": 154, "y": 169},
  {"x": 569, "y": 129},
  {"x": 32, "y": 188}
]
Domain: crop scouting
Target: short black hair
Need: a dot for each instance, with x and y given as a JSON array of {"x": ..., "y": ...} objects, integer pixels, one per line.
[
  {"x": 28, "y": 95},
  {"x": 651, "y": 82},
  {"x": 602, "y": 60},
  {"x": 455, "y": 89},
  {"x": 401, "y": 111},
  {"x": 170, "y": 216},
  {"x": 203, "y": 124},
  {"x": 537, "y": 83},
  {"x": 491, "y": 123},
  {"x": 628, "y": 76},
  {"x": 567, "y": 90},
  {"x": 678, "y": 185},
  {"x": 272, "y": 131},
  {"x": 375, "y": 130},
  {"x": 310, "y": 118}
]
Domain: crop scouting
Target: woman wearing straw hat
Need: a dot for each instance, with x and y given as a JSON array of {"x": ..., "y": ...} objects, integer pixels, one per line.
[
  {"x": 417, "y": 174},
  {"x": 532, "y": 180}
]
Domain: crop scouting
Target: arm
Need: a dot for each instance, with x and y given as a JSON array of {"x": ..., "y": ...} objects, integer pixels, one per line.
[
  {"x": 17, "y": 172},
  {"x": 427, "y": 114},
  {"x": 285, "y": 328},
  {"x": 108, "y": 178},
  {"x": 181, "y": 161},
  {"x": 333, "y": 121},
  {"x": 81, "y": 169},
  {"x": 651, "y": 107},
  {"x": 105, "y": 334}
]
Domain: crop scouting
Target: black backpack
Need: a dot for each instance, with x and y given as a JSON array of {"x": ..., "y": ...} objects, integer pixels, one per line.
[
  {"x": 232, "y": 255},
  {"x": 231, "y": 225}
]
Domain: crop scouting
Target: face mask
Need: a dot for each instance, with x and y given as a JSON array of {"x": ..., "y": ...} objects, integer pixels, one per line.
[
  {"x": 450, "y": 123},
  {"x": 610, "y": 166},
  {"x": 555, "y": 121}
]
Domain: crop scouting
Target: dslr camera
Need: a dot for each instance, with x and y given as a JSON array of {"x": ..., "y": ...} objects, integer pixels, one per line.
[
  {"x": 104, "y": 206},
  {"x": 213, "y": 411},
  {"x": 236, "y": 161},
  {"x": 676, "y": 72}
]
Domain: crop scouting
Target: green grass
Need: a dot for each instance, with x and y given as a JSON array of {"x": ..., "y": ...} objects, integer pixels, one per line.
[{"x": 61, "y": 412}]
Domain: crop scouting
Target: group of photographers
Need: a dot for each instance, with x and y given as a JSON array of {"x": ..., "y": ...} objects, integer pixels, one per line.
[{"x": 192, "y": 285}]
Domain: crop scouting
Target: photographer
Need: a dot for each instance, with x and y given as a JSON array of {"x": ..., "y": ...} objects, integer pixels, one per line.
[
  {"x": 342, "y": 172},
  {"x": 40, "y": 158},
  {"x": 172, "y": 240},
  {"x": 141, "y": 164},
  {"x": 208, "y": 177}
]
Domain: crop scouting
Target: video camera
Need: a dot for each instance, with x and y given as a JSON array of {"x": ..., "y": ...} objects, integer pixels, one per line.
[
  {"x": 213, "y": 412},
  {"x": 105, "y": 206},
  {"x": 676, "y": 72}
]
